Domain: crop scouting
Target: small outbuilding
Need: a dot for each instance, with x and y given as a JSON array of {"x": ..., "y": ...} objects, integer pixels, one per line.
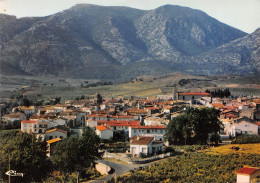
[{"x": 248, "y": 175}]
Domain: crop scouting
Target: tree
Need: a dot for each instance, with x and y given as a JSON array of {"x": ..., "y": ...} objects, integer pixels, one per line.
[
  {"x": 99, "y": 99},
  {"x": 25, "y": 102},
  {"x": 26, "y": 154},
  {"x": 194, "y": 126},
  {"x": 179, "y": 130},
  {"x": 75, "y": 154}
]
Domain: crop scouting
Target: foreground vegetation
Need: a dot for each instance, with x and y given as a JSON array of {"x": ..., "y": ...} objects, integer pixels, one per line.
[
  {"x": 193, "y": 167},
  {"x": 234, "y": 148},
  {"x": 73, "y": 158}
]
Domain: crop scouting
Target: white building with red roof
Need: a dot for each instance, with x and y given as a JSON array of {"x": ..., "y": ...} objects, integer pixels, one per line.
[
  {"x": 248, "y": 175},
  {"x": 145, "y": 145},
  {"x": 153, "y": 131},
  {"x": 186, "y": 96},
  {"x": 56, "y": 132},
  {"x": 104, "y": 132}
]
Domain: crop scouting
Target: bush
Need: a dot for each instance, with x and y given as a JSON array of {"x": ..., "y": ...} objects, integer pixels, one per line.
[
  {"x": 190, "y": 148},
  {"x": 142, "y": 155},
  {"x": 168, "y": 149},
  {"x": 246, "y": 139}
]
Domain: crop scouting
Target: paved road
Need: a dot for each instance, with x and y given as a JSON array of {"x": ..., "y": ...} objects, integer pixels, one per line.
[{"x": 119, "y": 169}]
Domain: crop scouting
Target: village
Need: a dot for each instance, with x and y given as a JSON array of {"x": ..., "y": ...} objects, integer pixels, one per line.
[{"x": 134, "y": 127}]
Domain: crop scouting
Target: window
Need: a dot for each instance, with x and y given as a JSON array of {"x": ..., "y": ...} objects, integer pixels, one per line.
[
  {"x": 139, "y": 130},
  {"x": 50, "y": 137},
  {"x": 45, "y": 126},
  {"x": 143, "y": 150},
  {"x": 155, "y": 130},
  {"x": 61, "y": 137},
  {"x": 126, "y": 127},
  {"x": 148, "y": 131},
  {"x": 161, "y": 131},
  {"x": 134, "y": 131}
]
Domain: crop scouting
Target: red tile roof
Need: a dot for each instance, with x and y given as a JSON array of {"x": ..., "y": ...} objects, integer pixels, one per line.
[
  {"x": 28, "y": 121},
  {"x": 121, "y": 116},
  {"x": 247, "y": 170},
  {"x": 195, "y": 93},
  {"x": 150, "y": 127},
  {"x": 119, "y": 123},
  {"x": 56, "y": 129},
  {"x": 141, "y": 140},
  {"x": 101, "y": 128}
]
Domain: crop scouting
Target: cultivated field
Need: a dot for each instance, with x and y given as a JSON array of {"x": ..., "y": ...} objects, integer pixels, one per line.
[
  {"x": 142, "y": 86},
  {"x": 227, "y": 149}
]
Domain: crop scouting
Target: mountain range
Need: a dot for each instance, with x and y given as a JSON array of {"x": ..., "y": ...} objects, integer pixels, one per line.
[{"x": 98, "y": 42}]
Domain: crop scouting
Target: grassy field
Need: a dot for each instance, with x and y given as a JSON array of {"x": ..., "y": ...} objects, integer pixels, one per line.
[
  {"x": 38, "y": 88},
  {"x": 227, "y": 149}
]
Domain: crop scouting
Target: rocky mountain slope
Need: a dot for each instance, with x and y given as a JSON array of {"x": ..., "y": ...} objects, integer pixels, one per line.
[{"x": 88, "y": 41}]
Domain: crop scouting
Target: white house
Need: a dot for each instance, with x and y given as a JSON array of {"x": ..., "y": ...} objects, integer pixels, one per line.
[
  {"x": 145, "y": 145},
  {"x": 56, "y": 133},
  {"x": 248, "y": 175},
  {"x": 11, "y": 119},
  {"x": 245, "y": 126},
  {"x": 104, "y": 132},
  {"x": 34, "y": 126},
  {"x": 152, "y": 130},
  {"x": 91, "y": 123}
]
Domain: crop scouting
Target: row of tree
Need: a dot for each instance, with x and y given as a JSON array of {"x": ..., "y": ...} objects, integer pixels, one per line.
[
  {"x": 26, "y": 154},
  {"x": 225, "y": 93},
  {"x": 194, "y": 126}
]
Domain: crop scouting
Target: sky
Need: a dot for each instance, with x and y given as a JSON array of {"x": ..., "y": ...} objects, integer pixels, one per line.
[{"x": 241, "y": 14}]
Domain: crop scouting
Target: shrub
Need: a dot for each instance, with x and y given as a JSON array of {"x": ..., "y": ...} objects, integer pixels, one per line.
[{"x": 246, "y": 139}]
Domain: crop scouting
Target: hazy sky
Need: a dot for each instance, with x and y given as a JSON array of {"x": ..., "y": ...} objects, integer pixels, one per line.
[{"x": 242, "y": 14}]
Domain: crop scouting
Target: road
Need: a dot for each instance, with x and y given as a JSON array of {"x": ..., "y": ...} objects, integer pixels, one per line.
[{"x": 119, "y": 169}]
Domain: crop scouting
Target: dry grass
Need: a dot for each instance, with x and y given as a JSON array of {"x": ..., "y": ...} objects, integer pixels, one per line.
[{"x": 227, "y": 149}]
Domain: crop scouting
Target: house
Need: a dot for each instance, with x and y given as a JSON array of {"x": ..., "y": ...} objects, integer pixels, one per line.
[
  {"x": 248, "y": 175},
  {"x": 151, "y": 130},
  {"x": 104, "y": 132},
  {"x": 120, "y": 125},
  {"x": 91, "y": 123},
  {"x": 50, "y": 146},
  {"x": 245, "y": 126},
  {"x": 193, "y": 95},
  {"x": 28, "y": 110},
  {"x": 34, "y": 126},
  {"x": 57, "y": 132},
  {"x": 13, "y": 118},
  {"x": 145, "y": 145}
]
